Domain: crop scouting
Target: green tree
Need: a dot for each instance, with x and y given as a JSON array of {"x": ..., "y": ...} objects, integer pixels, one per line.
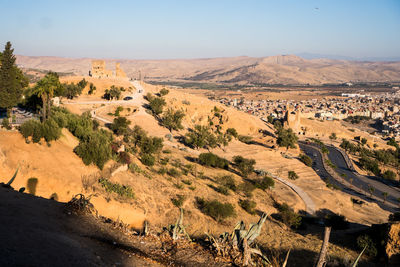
[
  {"x": 156, "y": 105},
  {"x": 120, "y": 125},
  {"x": 306, "y": 160},
  {"x": 12, "y": 80},
  {"x": 6, "y": 124},
  {"x": 201, "y": 137},
  {"x": 232, "y": 132},
  {"x": 45, "y": 89},
  {"x": 245, "y": 166},
  {"x": 172, "y": 119},
  {"x": 385, "y": 195},
  {"x": 286, "y": 138}
]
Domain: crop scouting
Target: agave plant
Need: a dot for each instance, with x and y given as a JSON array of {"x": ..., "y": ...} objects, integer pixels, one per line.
[
  {"x": 178, "y": 229},
  {"x": 8, "y": 185}
]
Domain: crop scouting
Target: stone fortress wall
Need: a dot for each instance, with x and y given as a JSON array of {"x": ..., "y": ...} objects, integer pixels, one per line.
[{"x": 99, "y": 70}]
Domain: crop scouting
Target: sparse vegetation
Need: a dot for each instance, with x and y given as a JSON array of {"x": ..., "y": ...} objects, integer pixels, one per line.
[
  {"x": 245, "y": 166},
  {"x": 306, "y": 160},
  {"x": 178, "y": 200},
  {"x": 248, "y": 205},
  {"x": 121, "y": 190},
  {"x": 288, "y": 216},
  {"x": 217, "y": 210},
  {"x": 292, "y": 175},
  {"x": 212, "y": 160}
]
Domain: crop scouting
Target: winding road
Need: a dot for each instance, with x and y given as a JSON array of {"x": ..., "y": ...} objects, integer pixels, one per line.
[{"x": 360, "y": 182}]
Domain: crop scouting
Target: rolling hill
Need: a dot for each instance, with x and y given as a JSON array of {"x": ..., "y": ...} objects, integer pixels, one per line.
[{"x": 281, "y": 69}]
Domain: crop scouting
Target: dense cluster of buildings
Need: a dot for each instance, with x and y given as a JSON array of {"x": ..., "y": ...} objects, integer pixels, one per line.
[{"x": 384, "y": 107}]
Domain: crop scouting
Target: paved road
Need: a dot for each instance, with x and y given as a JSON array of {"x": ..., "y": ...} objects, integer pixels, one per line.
[
  {"x": 361, "y": 181},
  {"x": 358, "y": 181}
]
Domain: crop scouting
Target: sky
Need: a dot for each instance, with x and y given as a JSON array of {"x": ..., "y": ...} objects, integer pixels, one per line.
[{"x": 167, "y": 29}]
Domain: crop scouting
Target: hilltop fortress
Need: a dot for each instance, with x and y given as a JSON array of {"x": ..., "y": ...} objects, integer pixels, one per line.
[{"x": 99, "y": 70}]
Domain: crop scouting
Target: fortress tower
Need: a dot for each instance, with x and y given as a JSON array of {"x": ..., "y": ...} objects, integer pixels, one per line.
[
  {"x": 99, "y": 70},
  {"x": 292, "y": 119}
]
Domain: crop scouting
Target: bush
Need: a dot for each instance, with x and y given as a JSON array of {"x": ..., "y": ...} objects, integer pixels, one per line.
[
  {"x": 265, "y": 183},
  {"x": 178, "y": 200},
  {"x": 247, "y": 188},
  {"x": 288, "y": 216},
  {"x": 245, "y": 166},
  {"x": 95, "y": 149},
  {"x": 232, "y": 132},
  {"x": 164, "y": 92},
  {"x": 156, "y": 105},
  {"x": 245, "y": 139},
  {"x": 173, "y": 172},
  {"x": 248, "y": 205},
  {"x": 50, "y": 130},
  {"x": 201, "y": 137},
  {"x": 389, "y": 174},
  {"x": 121, "y": 190},
  {"x": 147, "y": 159},
  {"x": 228, "y": 182},
  {"x": 306, "y": 160},
  {"x": 31, "y": 128},
  {"x": 366, "y": 241},
  {"x": 212, "y": 160},
  {"x": 292, "y": 175},
  {"x": 215, "y": 209},
  {"x": 6, "y": 124}
]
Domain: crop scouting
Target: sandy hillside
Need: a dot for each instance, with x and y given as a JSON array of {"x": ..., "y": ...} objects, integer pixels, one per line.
[{"x": 284, "y": 69}]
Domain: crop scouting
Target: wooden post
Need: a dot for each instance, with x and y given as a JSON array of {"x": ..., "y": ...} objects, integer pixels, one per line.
[{"x": 324, "y": 249}]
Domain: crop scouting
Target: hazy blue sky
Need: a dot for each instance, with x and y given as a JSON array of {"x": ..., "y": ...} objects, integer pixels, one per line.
[{"x": 195, "y": 29}]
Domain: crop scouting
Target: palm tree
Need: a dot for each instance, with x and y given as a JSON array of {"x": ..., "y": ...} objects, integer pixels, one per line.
[{"x": 45, "y": 90}]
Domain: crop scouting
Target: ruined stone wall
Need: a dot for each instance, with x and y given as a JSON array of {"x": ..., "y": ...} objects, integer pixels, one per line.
[
  {"x": 118, "y": 71},
  {"x": 99, "y": 69}
]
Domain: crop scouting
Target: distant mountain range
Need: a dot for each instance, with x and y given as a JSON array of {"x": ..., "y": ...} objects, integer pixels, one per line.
[{"x": 281, "y": 69}]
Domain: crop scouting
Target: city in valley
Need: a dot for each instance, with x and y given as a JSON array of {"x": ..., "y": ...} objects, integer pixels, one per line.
[{"x": 200, "y": 134}]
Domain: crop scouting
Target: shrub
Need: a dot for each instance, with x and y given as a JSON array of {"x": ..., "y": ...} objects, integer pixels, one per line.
[
  {"x": 215, "y": 209},
  {"x": 292, "y": 175},
  {"x": 50, "y": 130},
  {"x": 248, "y": 205},
  {"x": 245, "y": 139},
  {"x": 247, "y": 188},
  {"x": 151, "y": 145},
  {"x": 162, "y": 170},
  {"x": 32, "y": 184},
  {"x": 164, "y": 92},
  {"x": 228, "y": 182},
  {"x": 232, "y": 132},
  {"x": 164, "y": 161},
  {"x": 212, "y": 160},
  {"x": 6, "y": 124},
  {"x": 173, "y": 172},
  {"x": 95, "y": 149},
  {"x": 389, "y": 174},
  {"x": 366, "y": 241},
  {"x": 221, "y": 189},
  {"x": 178, "y": 200},
  {"x": 147, "y": 159},
  {"x": 245, "y": 166},
  {"x": 118, "y": 110},
  {"x": 31, "y": 128},
  {"x": 156, "y": 105},
  {"x": 288, "y": 216},
  {"x": 121, "y": 190},
  {"x": 265, "y": 183},
  {"x": 201, "y": 137},
  {"x": 306, "y": 160}
]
